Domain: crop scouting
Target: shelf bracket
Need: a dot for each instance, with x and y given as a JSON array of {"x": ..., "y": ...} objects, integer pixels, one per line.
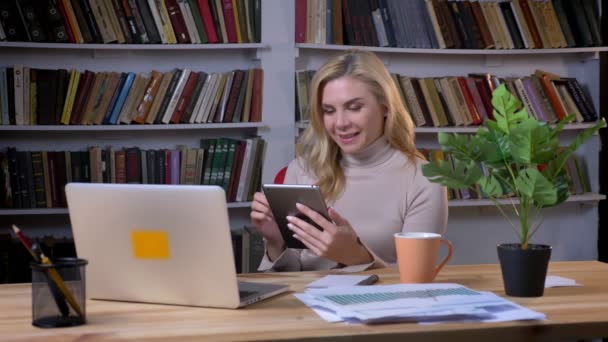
[
  {"x": 589, "y": 56},
  {"x": 257, "y": 54}
]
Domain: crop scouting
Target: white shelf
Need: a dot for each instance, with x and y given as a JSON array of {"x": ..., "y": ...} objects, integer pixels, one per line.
[
  {"x": 582, "y": 198},
  {"x": 466, "y": 129},
  {"x": 70, "y": 46},
  {"x": 585, "y": 50},
  {"x": 64, "y": 211},
  {"x": 131, "y": 127}
]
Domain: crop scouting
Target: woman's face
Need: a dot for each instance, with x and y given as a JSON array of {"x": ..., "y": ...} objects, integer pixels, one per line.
[{"x": 352, "y": 115}]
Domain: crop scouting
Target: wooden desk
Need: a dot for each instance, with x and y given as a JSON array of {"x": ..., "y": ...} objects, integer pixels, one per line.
[{"x": 572, "y": 312}]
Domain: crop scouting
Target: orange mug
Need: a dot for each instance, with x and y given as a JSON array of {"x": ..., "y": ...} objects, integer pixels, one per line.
[{"x": 417, "y": 256}]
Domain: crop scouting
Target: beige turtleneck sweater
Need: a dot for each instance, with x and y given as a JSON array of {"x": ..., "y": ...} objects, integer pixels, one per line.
[{"x": 385, "y": 194}]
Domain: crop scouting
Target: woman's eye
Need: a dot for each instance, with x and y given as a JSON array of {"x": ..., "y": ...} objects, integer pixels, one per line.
[
  {"x": 327, "y": 111},
  {"x": 354, "y": 108}
]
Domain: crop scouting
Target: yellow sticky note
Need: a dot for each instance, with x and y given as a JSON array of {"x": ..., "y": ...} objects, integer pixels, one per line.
[{"x": 150, "y": 244}]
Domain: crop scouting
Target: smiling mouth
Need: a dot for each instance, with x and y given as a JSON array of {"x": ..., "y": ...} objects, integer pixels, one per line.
[{"x": 347, "y": 137}]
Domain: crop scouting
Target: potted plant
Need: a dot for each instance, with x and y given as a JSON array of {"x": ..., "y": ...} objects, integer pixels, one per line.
[{"x": 518, "y": 157}]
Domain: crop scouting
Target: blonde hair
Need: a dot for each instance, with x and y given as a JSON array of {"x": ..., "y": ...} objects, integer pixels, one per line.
[{"x": 320, "y": 154}]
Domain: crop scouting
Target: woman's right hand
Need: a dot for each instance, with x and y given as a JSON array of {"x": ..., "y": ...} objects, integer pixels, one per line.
[{"x": 266, "y": 225}]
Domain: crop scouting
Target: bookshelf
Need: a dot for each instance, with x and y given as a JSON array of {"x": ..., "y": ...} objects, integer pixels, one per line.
[
  {"x": 172, "y": 127},
  {"x": 280, "y": 57},
  {"x": 64, "y": 211},
  {"x": 585, "y": 51},
  {"x": 466, "y": 129},
  {"x": 131, "y": 47},
  {"x": 269, "y": 56},
  {"x": 476, "y": 226}
]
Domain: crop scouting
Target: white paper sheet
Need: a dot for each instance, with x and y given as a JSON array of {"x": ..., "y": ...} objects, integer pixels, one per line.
[
  {"x": 427, "y": 303},
  {"x": 557, "y": 281}
]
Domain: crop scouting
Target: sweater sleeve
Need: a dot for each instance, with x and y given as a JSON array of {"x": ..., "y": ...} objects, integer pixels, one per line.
[{"x": 426, "y": 206}]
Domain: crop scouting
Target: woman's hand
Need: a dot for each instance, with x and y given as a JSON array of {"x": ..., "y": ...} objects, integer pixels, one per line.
[
  {"x": 338, "y": 241},
  {"x": 265, "y": 224}
]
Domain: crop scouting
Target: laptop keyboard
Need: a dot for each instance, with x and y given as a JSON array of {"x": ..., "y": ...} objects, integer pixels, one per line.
[{"x": 243, "y": 294}]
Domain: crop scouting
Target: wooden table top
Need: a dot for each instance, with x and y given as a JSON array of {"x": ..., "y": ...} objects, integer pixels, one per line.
[{"x": 572, "y": 312}]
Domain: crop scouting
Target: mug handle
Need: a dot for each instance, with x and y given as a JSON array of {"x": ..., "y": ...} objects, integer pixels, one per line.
[{"x": 447, "y": 258}]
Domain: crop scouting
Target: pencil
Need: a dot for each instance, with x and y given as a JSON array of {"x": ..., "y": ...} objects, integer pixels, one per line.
[
  {"x": 26, "y": 243},
  {"x": 60, "y": 284},
  {"x": 54, "y": 280}
]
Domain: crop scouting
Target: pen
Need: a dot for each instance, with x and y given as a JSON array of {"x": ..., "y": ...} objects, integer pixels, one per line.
[
  {"x": 372, "y": 279},
  {"x": 55, "y": 291},
  {"x": 60, "y": 284}
]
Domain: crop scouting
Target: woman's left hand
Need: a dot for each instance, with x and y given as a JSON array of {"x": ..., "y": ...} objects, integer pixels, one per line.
[{"x": 337, "y": 241}]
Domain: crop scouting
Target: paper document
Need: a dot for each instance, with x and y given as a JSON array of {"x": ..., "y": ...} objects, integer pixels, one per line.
[
  {"x": 557, "y": 281},
  {"x": 413, "y": 303}
]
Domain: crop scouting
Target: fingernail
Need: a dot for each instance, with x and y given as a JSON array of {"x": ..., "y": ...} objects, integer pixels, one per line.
[
  {"x": 290, "y": 226},
  {"x": 298, "y": 205},
  {"x": 289, "y": 218}
]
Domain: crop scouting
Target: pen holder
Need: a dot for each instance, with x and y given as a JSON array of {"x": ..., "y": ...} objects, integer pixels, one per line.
[{"x": 58, "y": 293}]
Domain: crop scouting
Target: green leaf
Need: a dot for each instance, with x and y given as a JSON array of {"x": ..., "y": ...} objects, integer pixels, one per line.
[
  {"x": 533, "y": 184},
  {"x": 562, "y": 186},
  {"x": 556, "y": 165},
  {"x": 491, "y": 186},
  {"x": 532, "y": 142},
  {"x": 493, "y": 146},
  {"x": 455, "y": 177},
  {"x": 505, "y": 109},
  {"x": 457, "y": 145}
]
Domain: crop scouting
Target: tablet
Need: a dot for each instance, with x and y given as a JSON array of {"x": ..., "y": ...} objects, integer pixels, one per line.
[{"x": 282, "y": 199}]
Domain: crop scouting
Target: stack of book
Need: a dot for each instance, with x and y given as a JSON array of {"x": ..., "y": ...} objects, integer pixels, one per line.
[
  {"x": 467, "y": 100},
  {"x": 575, "y": 169},
  {"x": 30, "y": 96},
  {"x": 456, "y": 24},
  {"x": 131, "y": 21},
  {"x": 36, "y": 179}
]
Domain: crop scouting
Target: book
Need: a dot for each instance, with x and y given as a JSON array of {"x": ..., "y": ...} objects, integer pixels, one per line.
[
  {"x": 208, "y": 21},
  {"x": 177, "y": 22}
]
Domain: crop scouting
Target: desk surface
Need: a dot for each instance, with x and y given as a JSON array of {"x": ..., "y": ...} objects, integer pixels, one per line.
[{"x": 571, "y": 312}]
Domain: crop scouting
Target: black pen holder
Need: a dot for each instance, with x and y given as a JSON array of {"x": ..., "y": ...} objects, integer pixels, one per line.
[{"x": 58, "y": 293}]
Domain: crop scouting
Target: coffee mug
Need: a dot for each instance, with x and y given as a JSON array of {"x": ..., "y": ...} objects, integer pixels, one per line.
[{"x": 417, "y": 256}]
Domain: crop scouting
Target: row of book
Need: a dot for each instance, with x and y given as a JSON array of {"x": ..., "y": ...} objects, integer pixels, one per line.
[
  {"x": 30, "y": 96},
  {"x": 247, "y": 245},
  {"x": 457, "y": 24},
  {"x": 575, "y": 169},
  {"x": 131, "y": 21},
  {"x": 467, "y": 100},
  {"x": 248, "y": 248},
  {"x": 36, "y": 179}
]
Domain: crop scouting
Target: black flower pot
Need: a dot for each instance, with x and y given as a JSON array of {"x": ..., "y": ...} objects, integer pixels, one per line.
[{"x": 524, "y": 271}]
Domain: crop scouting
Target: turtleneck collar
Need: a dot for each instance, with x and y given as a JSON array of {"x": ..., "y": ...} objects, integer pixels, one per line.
[{"x": 375, "y": 154}]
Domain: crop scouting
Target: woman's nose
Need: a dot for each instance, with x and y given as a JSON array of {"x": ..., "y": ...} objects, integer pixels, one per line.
[{"x": 341, "y": 119}]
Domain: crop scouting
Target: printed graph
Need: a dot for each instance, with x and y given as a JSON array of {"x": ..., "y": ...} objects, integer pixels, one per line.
[{"x": 366, "y": 298}]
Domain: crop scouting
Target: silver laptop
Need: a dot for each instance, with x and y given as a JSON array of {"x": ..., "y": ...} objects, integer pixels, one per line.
[{"x": 166, "y": 244}]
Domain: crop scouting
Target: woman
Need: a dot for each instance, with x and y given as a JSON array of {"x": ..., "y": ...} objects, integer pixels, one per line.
[{"x": 359, "y": 149}]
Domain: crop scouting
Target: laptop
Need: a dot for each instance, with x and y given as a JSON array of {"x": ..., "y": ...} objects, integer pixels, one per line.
[{"x": 166, "y": 244}]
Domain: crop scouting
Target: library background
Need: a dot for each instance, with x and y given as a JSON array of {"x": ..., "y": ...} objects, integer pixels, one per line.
[{"x": 215, "y": 92}]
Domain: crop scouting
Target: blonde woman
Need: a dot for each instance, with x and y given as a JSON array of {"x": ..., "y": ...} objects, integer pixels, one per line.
[{"x": 359, "y": 148}]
